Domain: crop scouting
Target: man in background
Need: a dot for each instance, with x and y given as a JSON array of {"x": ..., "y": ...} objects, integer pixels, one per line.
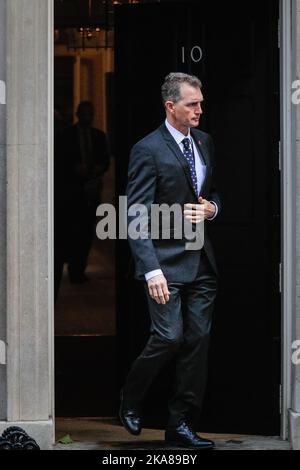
[{"x": 86, "y": 154}]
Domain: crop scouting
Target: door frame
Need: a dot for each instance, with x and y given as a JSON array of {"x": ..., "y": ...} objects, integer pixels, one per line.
[
  {"x": 288, "y": 190},
  {"x": 287, "y": 118}
]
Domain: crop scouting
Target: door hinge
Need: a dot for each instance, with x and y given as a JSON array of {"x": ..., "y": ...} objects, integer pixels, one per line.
[
  {"x": 279, "y": 155},
  {"x": 280, "y": 399},
  {"x": 279, "y": 34},
  {"x": 280, "y": 277}
]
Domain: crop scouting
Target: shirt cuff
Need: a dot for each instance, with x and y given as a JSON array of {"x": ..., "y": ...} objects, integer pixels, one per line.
[
  {"x": 151, "y": 274},
  {"x": 216, "y": 213}
]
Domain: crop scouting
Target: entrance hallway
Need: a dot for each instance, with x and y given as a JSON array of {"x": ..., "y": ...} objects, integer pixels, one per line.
[
  {"x": 108, "y": 434},
  {"x": 89, "y": 308}
]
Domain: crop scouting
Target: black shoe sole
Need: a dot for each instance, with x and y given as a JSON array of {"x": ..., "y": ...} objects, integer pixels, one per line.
[{"x": 127, "y": 428}]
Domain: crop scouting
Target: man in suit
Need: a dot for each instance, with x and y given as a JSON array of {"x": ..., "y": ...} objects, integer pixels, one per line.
[
  {"x": 86, "y": 155},
  {"x": 174, "y": 165}
]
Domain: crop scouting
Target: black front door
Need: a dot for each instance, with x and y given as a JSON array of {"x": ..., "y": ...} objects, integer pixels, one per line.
[{"x": 232, "y": 46}]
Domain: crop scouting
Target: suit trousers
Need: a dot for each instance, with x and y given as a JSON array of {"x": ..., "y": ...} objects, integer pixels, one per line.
[{"x": 179, "y": 331}]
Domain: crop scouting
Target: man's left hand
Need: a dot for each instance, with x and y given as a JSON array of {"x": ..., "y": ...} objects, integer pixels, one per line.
[{"x": 196, "y": 213}]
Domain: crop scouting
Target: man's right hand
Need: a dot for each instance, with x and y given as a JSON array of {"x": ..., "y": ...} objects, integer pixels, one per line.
[{"x": 158, "y": 289}]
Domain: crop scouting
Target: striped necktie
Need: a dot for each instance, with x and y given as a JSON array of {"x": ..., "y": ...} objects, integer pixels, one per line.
[{"x": 189, "y": 155}]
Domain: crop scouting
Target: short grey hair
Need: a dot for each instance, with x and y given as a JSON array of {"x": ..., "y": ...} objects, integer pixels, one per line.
[{"x": 171, "y": 89}]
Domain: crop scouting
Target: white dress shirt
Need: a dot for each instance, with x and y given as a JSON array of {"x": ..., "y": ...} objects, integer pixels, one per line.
[{"x": 200, "y": 168}]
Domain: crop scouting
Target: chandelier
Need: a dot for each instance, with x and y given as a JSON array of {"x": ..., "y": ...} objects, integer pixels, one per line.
[
  {"x": 86, "y": 24},
  {"x": 88, "y": 37}
]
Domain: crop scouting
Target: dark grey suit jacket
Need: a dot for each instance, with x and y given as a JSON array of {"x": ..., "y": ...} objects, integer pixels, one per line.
[{"x": 159, "y": 174}]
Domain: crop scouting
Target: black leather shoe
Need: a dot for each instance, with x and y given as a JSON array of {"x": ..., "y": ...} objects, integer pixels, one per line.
[
  {"x": 184, "y": 436},
  {"x": 130, "y": 418}
]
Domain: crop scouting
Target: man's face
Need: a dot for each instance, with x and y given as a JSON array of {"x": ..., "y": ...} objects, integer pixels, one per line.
[{"x": 187, "y": 111}]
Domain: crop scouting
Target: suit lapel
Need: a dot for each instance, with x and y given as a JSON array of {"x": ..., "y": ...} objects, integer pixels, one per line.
[
  {"x": 203, "y": 150},
  {"x": 178, "y": 154}
]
